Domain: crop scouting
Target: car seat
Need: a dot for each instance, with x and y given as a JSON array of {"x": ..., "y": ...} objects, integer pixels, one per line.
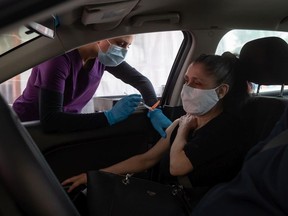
[
  {"x": 265, "y": 62},
  {"x": 27, "y": 184}
]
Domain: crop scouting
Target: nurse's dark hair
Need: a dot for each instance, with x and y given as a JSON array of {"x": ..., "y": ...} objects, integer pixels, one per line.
[{"x": 227, "y": 69}]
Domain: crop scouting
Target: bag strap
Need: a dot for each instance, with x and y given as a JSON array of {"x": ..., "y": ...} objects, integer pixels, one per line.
[{"x": 280, "y": 140}]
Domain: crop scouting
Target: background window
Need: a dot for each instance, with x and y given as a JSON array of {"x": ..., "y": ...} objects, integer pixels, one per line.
[{"x": 234, "y": 40}]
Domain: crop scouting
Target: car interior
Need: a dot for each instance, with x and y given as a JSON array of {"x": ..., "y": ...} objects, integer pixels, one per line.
[
  {"x": 21, "y": 157},
  {"x": 33, "y": 163}
]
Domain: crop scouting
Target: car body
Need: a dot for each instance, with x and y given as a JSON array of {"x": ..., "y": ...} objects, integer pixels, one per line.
[{"x": 202, "y": 25}]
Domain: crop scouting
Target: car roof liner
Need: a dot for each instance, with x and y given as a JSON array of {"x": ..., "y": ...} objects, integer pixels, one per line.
[
  {"x": 22, "y": 12},
  {"x": 107, "y": 16},
  {"x": 172, "y": 18},
  {"x": 283, "y": 24}
]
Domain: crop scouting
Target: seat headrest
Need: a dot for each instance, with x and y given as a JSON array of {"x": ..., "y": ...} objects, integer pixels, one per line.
[{"x": 265, "y": 61}]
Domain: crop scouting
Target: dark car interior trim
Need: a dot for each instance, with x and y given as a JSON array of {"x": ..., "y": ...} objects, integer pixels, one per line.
[{"x": 21, "y": 159}]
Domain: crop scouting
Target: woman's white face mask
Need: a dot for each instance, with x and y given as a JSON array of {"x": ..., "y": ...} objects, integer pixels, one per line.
[{"x": 198, "y": 101}]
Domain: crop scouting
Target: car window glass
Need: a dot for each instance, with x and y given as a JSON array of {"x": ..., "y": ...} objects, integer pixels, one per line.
[
  {"x": 152, "y": 54},
  {"x": 10, "y": 40},
  {"x": 234, "y": 40}
]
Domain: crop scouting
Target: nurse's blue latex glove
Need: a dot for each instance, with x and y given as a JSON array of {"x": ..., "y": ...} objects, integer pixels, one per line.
[
  {"x": 159, "y": 121},
  {"x": 123, "y": 108}
]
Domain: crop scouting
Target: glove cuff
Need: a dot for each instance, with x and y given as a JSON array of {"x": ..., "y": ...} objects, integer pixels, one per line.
[
  {"x": 150, "y": 113},
  {"x": 109, "y": 117}
]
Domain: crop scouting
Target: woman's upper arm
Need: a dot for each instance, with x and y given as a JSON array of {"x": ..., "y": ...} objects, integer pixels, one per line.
[{"x": 163, "y": 145}]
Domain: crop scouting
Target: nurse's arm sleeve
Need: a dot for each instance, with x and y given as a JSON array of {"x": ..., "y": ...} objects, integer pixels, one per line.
[
  {"x": 53, "y": 118},
  {"x": 131, "y": 76}
]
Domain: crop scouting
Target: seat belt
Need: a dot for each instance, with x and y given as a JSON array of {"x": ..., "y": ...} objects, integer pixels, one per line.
[{"x": 280, "y": 140}]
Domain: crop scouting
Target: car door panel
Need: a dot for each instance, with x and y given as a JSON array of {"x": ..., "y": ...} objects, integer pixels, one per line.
[
  {"x": 72, "y": 153},
  {"x": 76, "y": 152}
]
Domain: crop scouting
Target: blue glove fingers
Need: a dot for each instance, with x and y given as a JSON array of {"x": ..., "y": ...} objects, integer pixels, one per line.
[
  {"x": 123, "y": 108},
  {"x": 159, "y": 121},
  {"x": 132, "y": 101},
  {"x": 127, "y": 102}
]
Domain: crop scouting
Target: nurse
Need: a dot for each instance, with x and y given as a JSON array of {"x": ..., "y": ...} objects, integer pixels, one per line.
[{"x": 59, "y": 88}]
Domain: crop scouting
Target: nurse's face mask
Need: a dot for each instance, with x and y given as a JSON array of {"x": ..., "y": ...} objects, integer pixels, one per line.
[
  {"x": 114, "y": 55},
  {"x": 198, "y": 101}
]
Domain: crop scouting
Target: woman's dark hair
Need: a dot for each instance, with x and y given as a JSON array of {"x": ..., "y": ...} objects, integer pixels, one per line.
[{"x": 227, "y": 69}]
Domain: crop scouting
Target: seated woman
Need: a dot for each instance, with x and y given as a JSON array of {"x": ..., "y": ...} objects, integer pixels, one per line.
[{"x": 207, "y": 144}]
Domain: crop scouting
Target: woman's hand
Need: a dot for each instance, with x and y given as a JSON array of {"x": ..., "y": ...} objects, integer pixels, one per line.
[
  {"x": 186, "y": 123},
  {"x": 75, "y": 181}
]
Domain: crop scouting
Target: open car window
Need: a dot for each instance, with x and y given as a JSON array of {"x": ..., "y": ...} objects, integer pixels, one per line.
[
  {"x": 152, "y": 54},
  {"x": 234, "y": 40}
]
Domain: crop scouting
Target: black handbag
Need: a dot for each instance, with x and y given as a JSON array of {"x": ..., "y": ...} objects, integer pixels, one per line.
[{"x": 110, "y": 194}]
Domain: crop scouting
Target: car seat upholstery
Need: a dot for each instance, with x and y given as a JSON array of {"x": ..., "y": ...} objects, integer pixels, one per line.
[
  {"x": 27, "y": 183},
  {"x": 265, "y": 62}
]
